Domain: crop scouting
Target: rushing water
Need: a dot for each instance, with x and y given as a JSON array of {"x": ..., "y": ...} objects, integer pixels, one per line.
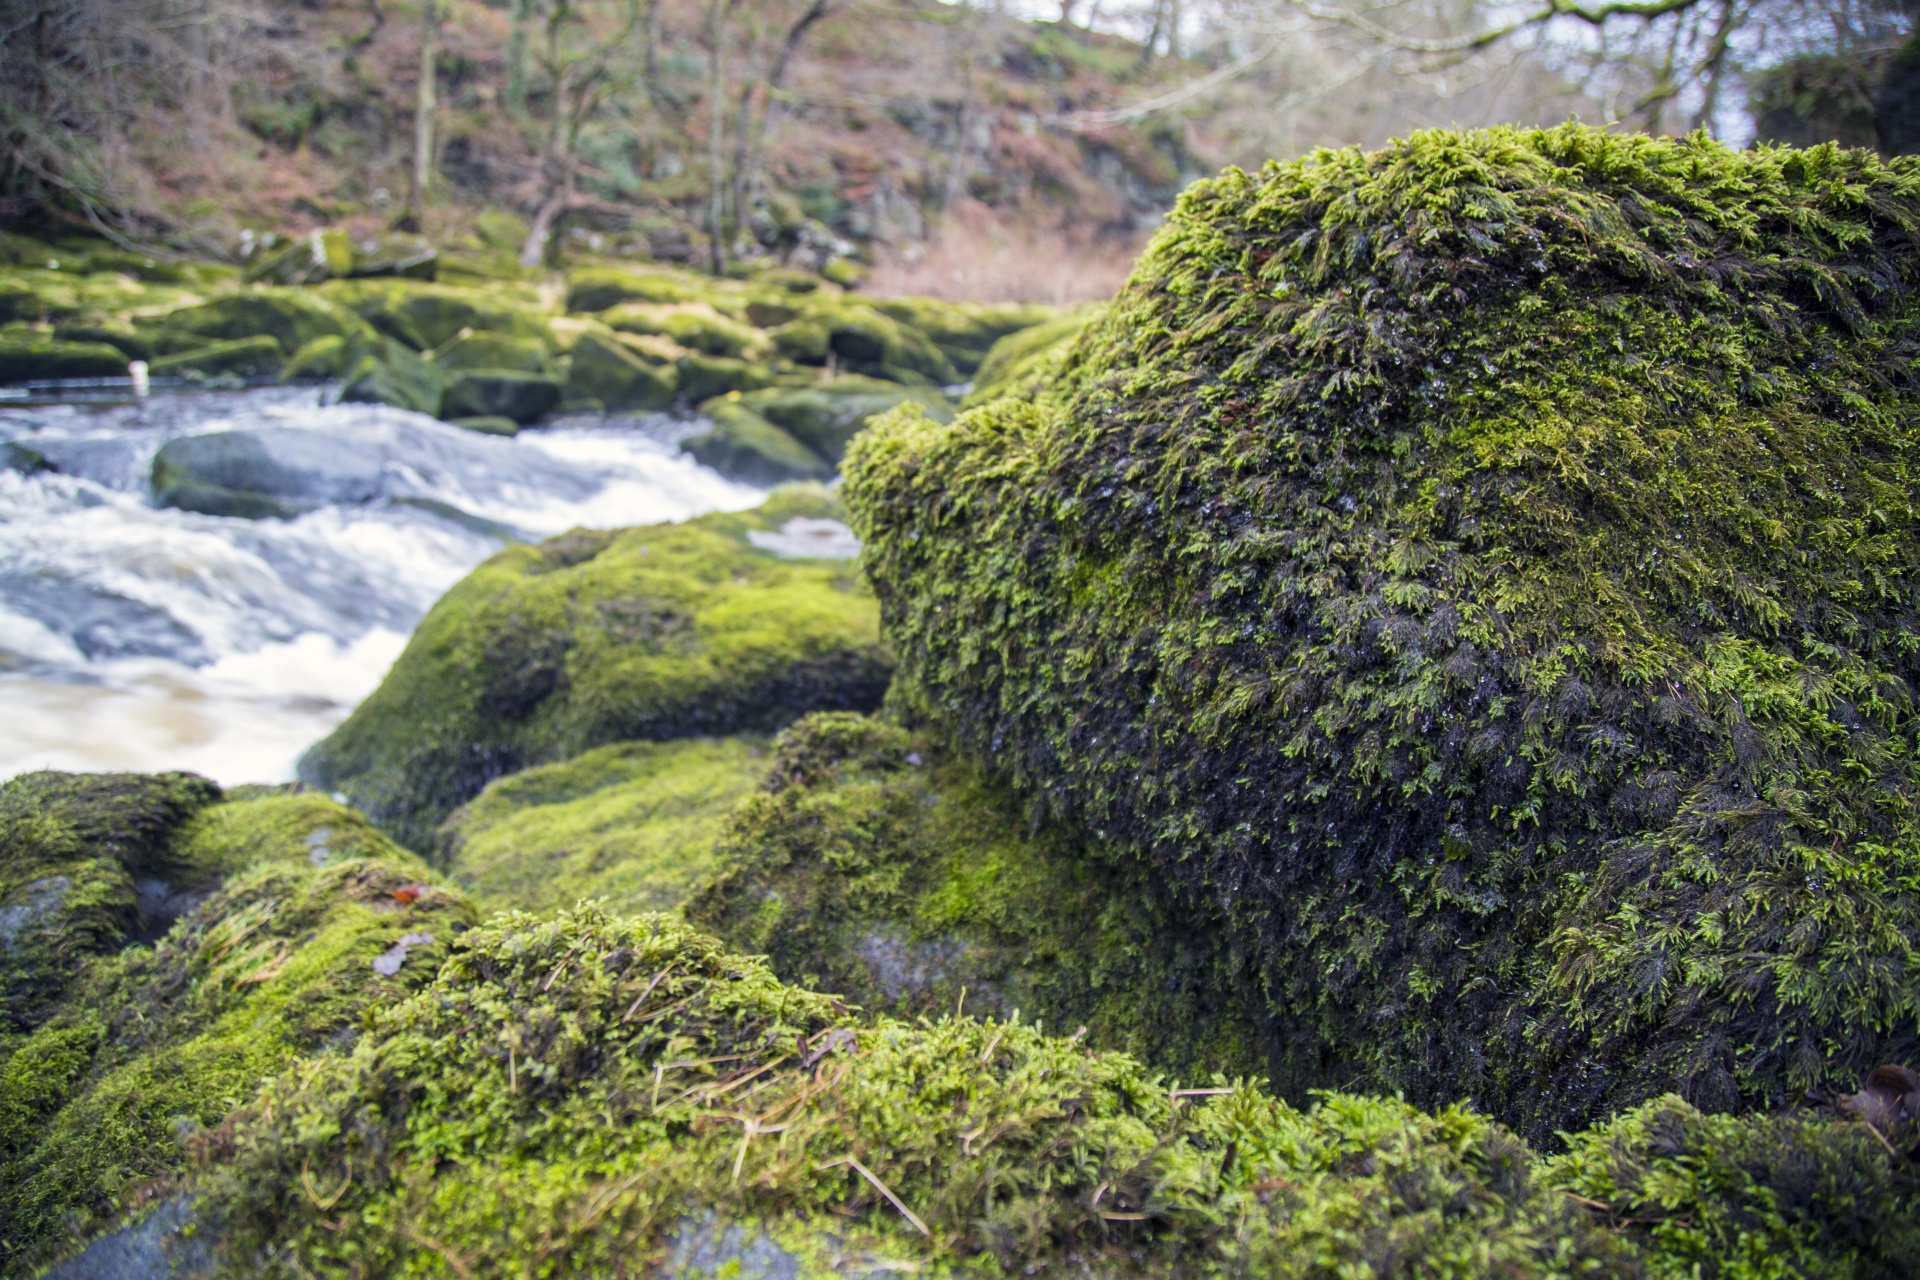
[{"x": 137, "y": 637}]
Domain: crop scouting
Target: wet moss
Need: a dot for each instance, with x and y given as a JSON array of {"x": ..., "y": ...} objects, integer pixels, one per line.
[
  {"x": 1485, "y": 569},
  {"x": 593, "y": 637},
  {"x": 157, "y": 1043},
  {"x": 1022, "y": 361},
  {"x": 875, "y": 865},
  {"x": 86, "y": 862},
  {"x": 574, "y": 1096},
  {"x": 632, "y": 824}
]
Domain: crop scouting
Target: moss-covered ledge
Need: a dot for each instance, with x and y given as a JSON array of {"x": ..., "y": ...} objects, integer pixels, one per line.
[{"x": 658, "y": 632}]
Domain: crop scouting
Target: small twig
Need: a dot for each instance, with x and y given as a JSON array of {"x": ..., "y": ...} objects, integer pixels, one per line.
[
  {"x": 634, "y": 1007},
  {"x": 991, "y": 1046},
  {"x": 1199, "y": 1093},
  {"x": 750, "y": 1129},
  {"x": 882, "y": 1188},
  {"x": 1883, "y": 1138},
  {"x": 1591, "y": 1204},
  {"x": 513, "y": 1079},
  {"x": 320, "y": 1202}
]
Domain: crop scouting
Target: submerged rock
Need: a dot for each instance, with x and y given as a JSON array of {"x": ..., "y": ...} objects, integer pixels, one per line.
[
  {"x": 1482, "y": 569},
  {"x": 266, "y": 472},
  {"x": 592, "y": 637},
  {"x": 499, "y": 393}
]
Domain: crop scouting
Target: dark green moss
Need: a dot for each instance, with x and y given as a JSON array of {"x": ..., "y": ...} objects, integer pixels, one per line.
[
  {"x": 593, "y": 637},
  {"x": 632, "y": 824},
  {"x": 1485, "y": 568},
  {"x": 879, "y": 867},
  {"x": 81, "y": 858}
]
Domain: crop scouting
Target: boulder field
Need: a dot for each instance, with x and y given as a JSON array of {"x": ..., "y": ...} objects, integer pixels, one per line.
[
  {"x": 784, "y": 365},
  {"x": 1386, "y": 751}
]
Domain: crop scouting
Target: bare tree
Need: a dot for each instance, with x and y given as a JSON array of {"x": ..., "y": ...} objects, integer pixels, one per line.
[{"x": 432, "y": 13}]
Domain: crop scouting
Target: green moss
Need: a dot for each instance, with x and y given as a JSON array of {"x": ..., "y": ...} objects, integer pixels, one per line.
[
  {"x": 157, "y": 1044},
  {"x": 742, "y": 445},
  {"x": 1485, "y": 567},
  {"x": 966, "y": 331},
  {"x": 1745, "y": 1198},
  {"x": 695, "y": 326},
  {"x": 76, "y": 851},
  {"x": 1021, "y": 361},
  {"x": 633, "y": 824},
  {"x": 618, "y": 376},
  {"x": 478, "y": 349},
  {"x": 566, "y": 1092},
  {"x": 824, "y": 416},
  {"x": 248, "y": 357},
  {"x": 593, "y": 637},
  {"x": 25, "y": 358},
  {"x": 426, "y": 316},
  {"x": 291, "y": 317},
  {"x": 878, "y": 867}
]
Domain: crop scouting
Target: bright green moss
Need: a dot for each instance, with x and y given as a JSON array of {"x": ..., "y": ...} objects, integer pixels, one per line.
[
  {"x": 651, "y": 633},
  {"x": 565, "y": 1093},
  {"x": 633, "y": 824},
  {"x": 1485, "y": 568},
  {"x": 157, "y": 1044},
  {"x": 878, "y": 867}
]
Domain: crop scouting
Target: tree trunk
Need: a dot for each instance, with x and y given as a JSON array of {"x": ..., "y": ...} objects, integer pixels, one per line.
[
  {"x": 716, "y": 136},
  {"x": 516, "y": 88},
  {"x": 754, "y": 155},
  {"x": 1153, "y": 36},
  {"x": 424, "y": 105}
]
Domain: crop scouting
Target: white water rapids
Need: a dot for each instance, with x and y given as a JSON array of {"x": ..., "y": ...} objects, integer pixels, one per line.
[{"x": 136, "y": 637}]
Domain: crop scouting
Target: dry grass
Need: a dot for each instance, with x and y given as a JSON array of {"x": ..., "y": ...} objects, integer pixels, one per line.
[{"x": 976, "y": 258}]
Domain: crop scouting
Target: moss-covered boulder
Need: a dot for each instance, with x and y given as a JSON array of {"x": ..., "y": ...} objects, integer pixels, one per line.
[
  {"x": 323, "y": 358},
  {"x": 499, "y": 393},
  {"x": 124, "y": 338},
  {"x": 429, "y": 316},
  {"x": 618, "y": 375},
  {"x": 598, "y": 288},
  {"x": 480, "y": 349},
  {"x": 633, "y": 824},
  {"x": 86, "y": 861},
  {"x": 591, "y": 1095},
  {"x": 742, "y": 445},
  {"x": 966, "y": 331},
  {"x": 1023, "y": 361},
  {"x": 308, "y": 920},
  {"x": 29, "y": 357},
  {"x": 695, "y": 326},
  {"x": 256, "y": 357},
  {"x": 1484, "y": 568},
  {"x": 824, "y": 416},
  {"x": 593, "y": 637},
  {"x": 703, "y": 377},
  {"x": 387, "y": 371},
  {"x": 875, "y": 865},
  {"x": 863, "y": 339},
  {"x": 291, "y": 317}
]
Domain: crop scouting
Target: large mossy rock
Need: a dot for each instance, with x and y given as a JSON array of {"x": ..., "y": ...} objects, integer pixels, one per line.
[
  {"x": 499, "y": 393},
  {"x": 1484, "y": 568},
  {"x": 286, "y": 903},
  {"x": 877, "y": 866},
  {"x": 291, "y": 317},
  {"x": 479, "y": 349},
  {"x": 429, "y": 316},
  {"x": 589, "y": 1095},
  {"x": 386, "y": 371},
  {"x": 254, "y": 357},
  {"x": 633, "y": 823},
  {"x": 30, "y": 357},
  {"x": 695, "y": 326},
  {"x": 657, "y": 632},
  {"x": 618, "y": 375},
  {"x": 742, "y": 445},
  {"x": 966, "y": 331},
  {"x": 826, "y": 415}
]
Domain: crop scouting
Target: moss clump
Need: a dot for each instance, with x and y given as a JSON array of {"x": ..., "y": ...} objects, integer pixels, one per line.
[
  {"x": 156, "y": 1044},
  {"x": 32, "y": 356},
  {"x": 567, "y": 1092},
  {"x": 1484, "y": 567},
  {"x": 86, "y": 860},
  {"x": 593, "y": 637},
  {"x": 1022, "y": 361},
  {"x": 576, "y": 1096},
  {"x": 632, "y": 824},
  {"x": 966, "y": 331},
  {"x": 1745, "y": 1198},
  {"x": 876, "y": 866}
]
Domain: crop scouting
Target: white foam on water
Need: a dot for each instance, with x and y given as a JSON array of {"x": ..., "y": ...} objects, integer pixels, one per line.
[{"x": 136, "y": 637}]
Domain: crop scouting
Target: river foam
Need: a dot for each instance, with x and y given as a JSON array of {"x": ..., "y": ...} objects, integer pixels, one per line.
[{"x": 137, "y": 637}]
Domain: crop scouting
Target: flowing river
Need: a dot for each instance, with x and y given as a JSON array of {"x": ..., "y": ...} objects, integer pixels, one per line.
[{"x": 139, "y": 637}]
